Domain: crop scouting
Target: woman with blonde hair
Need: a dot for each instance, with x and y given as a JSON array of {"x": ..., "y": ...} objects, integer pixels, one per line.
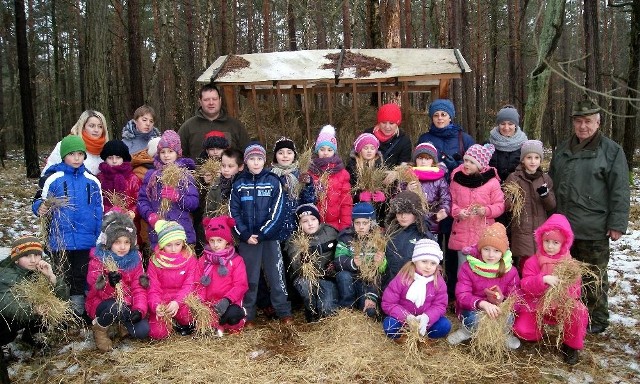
[{"x": 92, "y": 127}]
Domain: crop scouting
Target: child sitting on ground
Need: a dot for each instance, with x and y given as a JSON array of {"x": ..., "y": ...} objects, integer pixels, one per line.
[
  {"x": 484, "y": 281},
  {"x": 224, "y": 276},
  {"x": 418, "y": 293},
  {"x": 353, "y": 290},
  {"x": 173, "y": 271},
  {"x": 320, "y": 300},
  {"x": 553, "y": 240},
  {"x": 117, "y": 245}
]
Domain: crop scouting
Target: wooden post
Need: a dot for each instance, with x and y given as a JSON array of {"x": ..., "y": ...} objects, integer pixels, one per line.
[
  {"x": 306, "y": 112},
  {"x": 230, "y": 101},
  {"x": 330, "y": 104},
  {"x": 355, "y": 105},
  {"x": 379, "y": 95},
  {"x": 280, "y": 110},
  {"x": 443, "y": 91},
  {"x": 256, "y": 110}
]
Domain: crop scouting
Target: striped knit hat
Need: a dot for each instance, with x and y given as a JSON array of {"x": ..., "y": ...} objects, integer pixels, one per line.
[
  {"x": 365, "y": 139},
  {"x": 427, "y": 249},
  {"x": 169, "y": 231},
  {"x": 327, "y": 137},
  {"x": 24, "y": 246},
  {"x": 171, "y": 140},
  {"x": 426, "y": 149},
  {"x": 254, "y": 149},
  {"x": 480, "y": 155}
]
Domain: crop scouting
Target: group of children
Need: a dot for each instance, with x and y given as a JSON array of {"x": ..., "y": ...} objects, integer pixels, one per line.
[{"x": 265, "y": 208}]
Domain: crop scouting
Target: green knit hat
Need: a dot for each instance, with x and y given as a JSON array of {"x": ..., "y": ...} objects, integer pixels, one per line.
[
  {"x": 72, "y": 143},
  {"x": 24, "y": 246},
  {"x": 169, "y": 231}
]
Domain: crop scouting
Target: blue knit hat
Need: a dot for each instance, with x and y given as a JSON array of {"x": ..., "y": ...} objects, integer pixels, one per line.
[
  {"x": 363, "y": 211},
  {"x": 442, "y": 105},
  {"x": 255, "y": 149},
  {"x": 307, "y": 209}
]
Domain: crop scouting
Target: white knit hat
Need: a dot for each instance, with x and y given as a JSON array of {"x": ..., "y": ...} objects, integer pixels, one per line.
[{"x": 427, "y": 249}]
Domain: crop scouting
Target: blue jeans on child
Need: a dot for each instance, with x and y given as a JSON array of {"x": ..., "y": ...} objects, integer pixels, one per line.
[
  {"x": 109, "y": 313},
  {"x": 392, "y": 328},
  {"x": 321, "y": 300},
  {"x": 470, "y": 319},
  {"x": 352, "y": 291}
]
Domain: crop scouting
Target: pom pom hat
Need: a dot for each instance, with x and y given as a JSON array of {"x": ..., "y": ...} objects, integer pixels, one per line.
[
  {"x": 152, "y": 146},
  {"x": 480, "y": 155},
  {"x": 169, "y": 231},
  {"x": 171, "y": 140},
  {"x": 114, "y": 226},
  {"x": 24, "y": 246},
  {"x": 327, "y": 137},
  {"x": 390, "y": 112},
  {"x": 219, "y": 227}
]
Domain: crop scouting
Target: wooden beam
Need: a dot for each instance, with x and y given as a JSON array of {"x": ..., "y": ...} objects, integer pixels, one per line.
[
  {"x": 256, "y": 110},
  {"x": 354, "y": 97},
  {"x": 330, "y": 104},
  {"x": 379, "y": 88},
  {"x": 306, "y": 113},
  {"x": 361, "y": 89},
  {"x": 443, "y": 90},
  {"x": 280, "y": 108},
  {"x": 230, "y": 101}
]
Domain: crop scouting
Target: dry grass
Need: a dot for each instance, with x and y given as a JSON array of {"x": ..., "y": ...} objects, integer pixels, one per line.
[
  {"x": 405, "y": 175},
  {"x": 304, "y": 162},
  {"x": 202, "y": 315},
  {"x": 367, "y": 247},
  {"x": 47, "y": 232},
  {"x": 111, "y": 266},
  {"x": 172, "y": 175},
  {"x": 412, "y": 337},
  {"x": 118, "y": 199},
  {"x": 370, "y": 179},
  {"x": 211, "y": 167},
  {"x": 515, "y": 195},
  {"x": 489, "y": 339},
  {"x": 322, "y": 192}
]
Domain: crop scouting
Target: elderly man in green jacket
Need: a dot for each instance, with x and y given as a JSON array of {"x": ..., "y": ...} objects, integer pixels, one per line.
[{"x": 591, "y": 183}]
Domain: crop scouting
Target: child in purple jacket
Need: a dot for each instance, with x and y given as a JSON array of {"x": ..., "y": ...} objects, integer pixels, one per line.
[
  {"x": 418, "y": 292},
  {"x": 484, "y": 281},
  {"x": 184, "y": 198}
]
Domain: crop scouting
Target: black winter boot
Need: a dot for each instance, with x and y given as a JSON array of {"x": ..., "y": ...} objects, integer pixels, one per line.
[{"x": 570, "y": 355}]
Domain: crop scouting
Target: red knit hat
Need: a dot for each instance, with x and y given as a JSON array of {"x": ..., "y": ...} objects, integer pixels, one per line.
[
  {"x": 219, "y": 227},
  {"x": 390, "y": 112}
]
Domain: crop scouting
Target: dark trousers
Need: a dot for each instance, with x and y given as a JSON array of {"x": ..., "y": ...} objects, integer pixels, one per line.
[
  {"x": 596, "y": 253},
  {"x": 74, "y": 265},
  {"x": 108, "y": 313}
]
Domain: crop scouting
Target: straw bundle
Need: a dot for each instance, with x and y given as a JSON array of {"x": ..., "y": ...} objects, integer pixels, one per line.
[
  {"x": 111, "y": 266},
  {"x": 374, "y": 242},
  {"x": 210, "y": 167},
  {"x": 558, "y": 301},
  {"x": 308, "y": 268},
  {"x": 322, "y": 191},
  {"x": 514, "y": 194},
  {"x": 53, "y": 204},
  {"x": 370, "y": 179},
  {"x": 171, "y": 176},
  {"x": 38, "y": 293},
  {"x": 406, "y": 176},
  {"x": 166, "y": 319},
  {"x": 412, "y": 337},
  {"x": 118, "y": 199},
  {"x": 304, "y": 162},
  {"x": 202, "y": 315},
  {"x": 489, "y": 340}
]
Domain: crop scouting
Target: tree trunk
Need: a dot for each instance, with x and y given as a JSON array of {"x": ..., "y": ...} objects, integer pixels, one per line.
[
  {"x": 493, "y": 56},
  {"x": 135, "y": 55},
  {"x": 539, "y": 82},
  {"x": 346, "y": 24},
  {"x": 291, "y": 27},
  {"x": 251, "y": 27},
  {"x": 374, "y": 38},
  {"x": 392, "y": 24},
  {"x": 629, "y": 143},
  {"x": 408, "y": 27},
  {"x": 57, "y": 108},
  {"x": 28, "y": 121},
  {"x": 266, "y": 26},
  {"x": 96, "y": 45},
  {"x": 593, "y": 75},
  {"x": 321, "y": 32},
  {"x": 224, "y": 38}
]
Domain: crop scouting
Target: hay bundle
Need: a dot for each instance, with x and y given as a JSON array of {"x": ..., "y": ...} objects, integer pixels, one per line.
[
  {"x": 412, "y": 337},
  {"x": 489, "y": 341},
  {"x": 514, "y": 194},
  {"x": 202, "y": 315},
  {"x": 38, "y": 293},
  {"x": 172, "y": 175},
  {"x": 166, "y": 319},
  {"x": 407, "y": 176},
  {"x": 210, "y": 167},
  {"x": 111, "y": 266},
  {"x": 375, "y": 241},
  {"x": 322, "y": 192},
  {"x": 118, "y": 200},
  {"x": 307, "y": 257},
  {"x": 557, "y": 300},
  {"x": 370, "y": 179},
  {"x": 304, "y": 162},
  {"x": 53, "y": 205}
]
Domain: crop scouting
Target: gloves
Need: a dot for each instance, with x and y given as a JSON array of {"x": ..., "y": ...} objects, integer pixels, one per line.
[
  {"x": 365, "y": 196},
  {"x": 494, "y": 295},
  {"x": 330, "y": 271},
  {"x": 543, "y": 190},
  {"x": 152, "y": 219},
  {"x": 424, "y": 321},
  {"x": 378, "y": 197},
  {"x": 221, "y": 306},
  {"x": 205, "y": 280},
  {"x": 135, "y": 317},
  {"x": 170, "y": 193},
  {"x": 114, "y": 278}
]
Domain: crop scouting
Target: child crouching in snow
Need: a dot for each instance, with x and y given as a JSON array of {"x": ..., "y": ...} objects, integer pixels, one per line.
[
  {"x": 117, "y": 284},
  {"x": 418, "y": 292},
  {"x": 224, "y": 279}
]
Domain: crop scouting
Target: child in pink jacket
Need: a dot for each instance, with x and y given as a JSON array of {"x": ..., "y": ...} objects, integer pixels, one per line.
[
  {"x": 484, "y": 281},
  {"x": 418, "y": 291},
  {"x": 173, "y": 270},
  {"x": 224, "y": 276},
  {"x": 117, "y": 242},
  {"x": 553, "y": 242},
  {"x": 476, "y": 198}
]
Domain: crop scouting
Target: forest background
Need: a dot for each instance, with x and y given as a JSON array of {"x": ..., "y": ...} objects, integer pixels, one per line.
[{"x": 60, "y": 57}]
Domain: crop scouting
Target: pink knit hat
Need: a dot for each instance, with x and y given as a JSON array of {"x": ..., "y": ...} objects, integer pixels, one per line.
[
  {"x": 390, "y": 112},
  {"x": 426, "y": 149},
  {"x": 327, "y": 137},
  {"x": 480, "y": 155},
  {"x": 365, "y": 139},
  {"x": 171, "y": 140},
  {"x": 219, "y": 227}
]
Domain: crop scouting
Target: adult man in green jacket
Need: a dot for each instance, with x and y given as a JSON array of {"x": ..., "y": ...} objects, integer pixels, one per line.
[{"x": 591, "y": 184}]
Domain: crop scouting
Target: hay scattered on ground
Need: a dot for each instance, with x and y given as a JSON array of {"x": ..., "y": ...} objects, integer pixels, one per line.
[
  {"x": 39, "y": 294},
  {"x": 233, "y": 63},
  {"x": 172, "y": 175},
  {"x": 202, "y": 315},
  {"x": 111, "y": 266},
  {"x": 489, "y": 340},
  {"x": 558, "y": 300},
  {"x": 363, "y": 64},
  {"x": 514, "y": 194}
]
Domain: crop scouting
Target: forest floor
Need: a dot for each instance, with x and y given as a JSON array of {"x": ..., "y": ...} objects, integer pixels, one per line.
[{"x": 345, "y": 348}]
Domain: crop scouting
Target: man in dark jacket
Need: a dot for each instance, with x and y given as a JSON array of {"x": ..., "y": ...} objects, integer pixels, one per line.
[
  {"x": 210, "y": 117},
  {"x": 591, "y": 183}
]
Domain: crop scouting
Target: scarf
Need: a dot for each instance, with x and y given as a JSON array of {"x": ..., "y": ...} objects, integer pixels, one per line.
[
  {"x": 291, "y": 181},
  {"x": 476, "y": 180},
  {"x": 114, "y": 178},
  {"x": 162, "y": 259},
  {"x": 532, "y": 176},
  {"x": 548, "y": 263},
  {"x": 130, "y": 132},
  {"x": 219, "y": 258},
  {"x": 417, "y": 292},
  {"x": 126, "y": 263},
  {"x": 481, "y": 268},
  {"x": 507, "y": 144},
  {"x": 428, "y": 173},
  {"x": 576, "y": 146},
  {"x": 382, "y": 138},
  {"x": 94, "y": 146},
  {"x": 331, "y": 164}
]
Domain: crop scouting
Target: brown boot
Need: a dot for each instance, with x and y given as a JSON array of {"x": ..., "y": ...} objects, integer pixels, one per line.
[
  {"x": 101, "y": 338},
  {"x": 122, "y": 331}
]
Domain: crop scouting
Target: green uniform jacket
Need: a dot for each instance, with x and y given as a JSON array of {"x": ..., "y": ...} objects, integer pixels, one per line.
[
  {"x": 12, "y": 309},
  {"x": 592, "y": 187}
]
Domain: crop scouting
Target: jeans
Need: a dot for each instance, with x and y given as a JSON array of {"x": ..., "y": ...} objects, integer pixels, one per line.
[
  {"x": 352, "y": 291},
  {"x": 109, "y": 313},
  {"x": 322, "y": 299},
  {"x": 393, "y": 328},
  {"x": 470, "y": 320}
]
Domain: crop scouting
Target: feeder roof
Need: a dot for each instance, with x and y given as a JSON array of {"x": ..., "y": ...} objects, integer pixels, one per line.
[{"x": 305, "y": 67}]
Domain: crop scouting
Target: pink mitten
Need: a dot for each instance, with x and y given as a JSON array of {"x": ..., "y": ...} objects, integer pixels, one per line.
[
  {"x": 378, "y": 197},
  {"x": 170, "y": 193},
  {"x": 152, "y": 219},
  {"x": 365, "y": 196}
]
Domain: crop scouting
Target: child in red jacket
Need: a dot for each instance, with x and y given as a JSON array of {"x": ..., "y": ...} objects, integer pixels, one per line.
[
  {"x": 334, "y": 196},
  {"x": 173, "y": 271},
  {"x": 117, "y": 243},
  {"x": 224, "y": 276}
]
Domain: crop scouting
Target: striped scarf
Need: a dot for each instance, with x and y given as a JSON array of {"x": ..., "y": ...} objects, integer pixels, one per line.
[{"x": 481, "y": 268}]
